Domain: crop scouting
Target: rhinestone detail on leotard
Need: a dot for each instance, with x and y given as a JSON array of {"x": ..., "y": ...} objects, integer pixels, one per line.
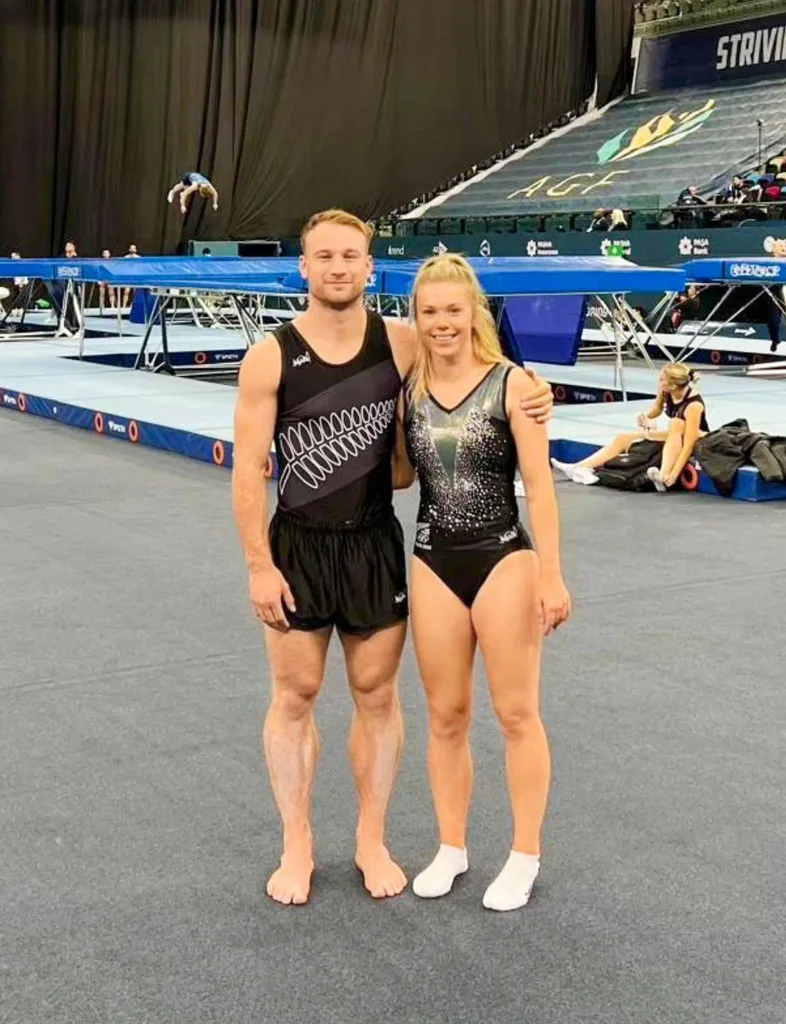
[{"x": 465, "y": 459}]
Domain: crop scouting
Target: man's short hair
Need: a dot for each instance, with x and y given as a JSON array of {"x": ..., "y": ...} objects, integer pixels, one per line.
[{"x": 335, "y": 216}]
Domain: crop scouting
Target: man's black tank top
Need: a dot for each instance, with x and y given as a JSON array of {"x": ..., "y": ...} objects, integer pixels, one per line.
[
  {"x": 336, "y": 430},
  {"x": 676, "y": 410}
]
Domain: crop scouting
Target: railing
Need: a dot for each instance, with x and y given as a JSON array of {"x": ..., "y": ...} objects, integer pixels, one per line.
[
  {"x": 664, "y": 16},
  {"x": 638, "y": 217}
]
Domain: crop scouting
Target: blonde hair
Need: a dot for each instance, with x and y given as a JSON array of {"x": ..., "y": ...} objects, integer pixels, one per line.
[
  {"x": 678, "y": 375},
  {"x": 618, "y": 217},
  {"x": 336, "y": 216},
  {"x": 485, "y": 342},
  {"x": 205, "y": 191}
]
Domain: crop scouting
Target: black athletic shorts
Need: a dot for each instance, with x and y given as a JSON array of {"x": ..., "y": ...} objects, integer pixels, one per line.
[{"x": 354, "y": 578}]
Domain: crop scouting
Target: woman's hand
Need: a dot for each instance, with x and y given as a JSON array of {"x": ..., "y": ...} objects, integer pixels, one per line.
[
  {"x": 670, "y": 479},
  {"x": 555, "y": 603}
]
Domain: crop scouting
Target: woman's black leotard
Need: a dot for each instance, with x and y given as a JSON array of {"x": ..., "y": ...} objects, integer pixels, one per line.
[
  {"x": 676, "y": 410},
  {"x": 465, "y": 458}
]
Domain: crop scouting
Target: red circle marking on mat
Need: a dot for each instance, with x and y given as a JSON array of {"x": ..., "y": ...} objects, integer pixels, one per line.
[
  {"x": 560, "y": 393},
  {"x": 689, "y": 478},
  {"x": 200, "y": 358},
  {"x": 715, "y": 357},
  {"x": 133, "y": 431},
  {"x": 609, "y": 396},
  {"x": 757, "y": 357},
  {"x": 218, "y": 453},
  {"x": 98, "y": 423},
  {"x": 21, "y": 402}
]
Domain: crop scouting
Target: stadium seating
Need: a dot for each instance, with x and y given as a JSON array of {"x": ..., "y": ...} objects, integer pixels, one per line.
[{"x": 649, "y": 146}]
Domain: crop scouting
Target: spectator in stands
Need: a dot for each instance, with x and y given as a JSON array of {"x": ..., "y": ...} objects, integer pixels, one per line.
[
  {"x": 70, "y": 250},
  {"x": 600, "y": 220},
  {"x": 690, "y": 197},
  {"x": 617, "y": 221},
  {"x": 687, "y": 417},
  {"x": 734, "y": 192}
]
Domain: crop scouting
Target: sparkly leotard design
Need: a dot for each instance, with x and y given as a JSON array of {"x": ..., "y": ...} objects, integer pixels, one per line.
[{"x": 465, "y": 458}]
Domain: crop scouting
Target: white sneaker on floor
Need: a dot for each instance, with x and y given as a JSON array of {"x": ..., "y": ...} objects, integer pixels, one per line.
[
  {"x": 583, "y": 475},
  {"x": 655, "y": 475}
]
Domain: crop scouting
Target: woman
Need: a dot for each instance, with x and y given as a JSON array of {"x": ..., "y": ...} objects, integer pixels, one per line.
[
  {"x": 475, "y": 579},
  {"x": 687, "y": 416},
  {"x": 190, "y": 183}
]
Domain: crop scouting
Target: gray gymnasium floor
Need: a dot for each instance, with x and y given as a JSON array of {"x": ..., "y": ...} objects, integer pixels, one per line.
[{"x": 137, "y": 831}]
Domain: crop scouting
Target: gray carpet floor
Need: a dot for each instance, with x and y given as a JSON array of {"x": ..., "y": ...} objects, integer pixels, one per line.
[{"x": 137, "y": 828}]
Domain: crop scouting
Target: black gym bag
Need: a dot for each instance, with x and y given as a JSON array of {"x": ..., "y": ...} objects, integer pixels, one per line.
[{"x": 628, "y": 472}]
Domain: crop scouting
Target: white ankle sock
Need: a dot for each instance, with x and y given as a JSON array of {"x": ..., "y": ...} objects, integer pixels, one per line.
[
  {"x": 512, "y": 886},
  {"x": 438, "y": 878}
]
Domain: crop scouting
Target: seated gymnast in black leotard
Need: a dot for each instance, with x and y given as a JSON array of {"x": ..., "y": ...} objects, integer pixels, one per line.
[
  {"x": 475, "y": 578},
  {"x": 687, "y": 415}
]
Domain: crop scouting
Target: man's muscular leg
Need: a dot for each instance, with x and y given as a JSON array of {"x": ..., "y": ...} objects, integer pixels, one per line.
[
  {"x": 375, "y": 742},
  {"x": 297, "y": 661}
]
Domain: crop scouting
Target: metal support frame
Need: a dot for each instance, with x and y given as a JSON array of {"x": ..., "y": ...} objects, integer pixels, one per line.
[
  {"x": 701, "y": 339},
  {"x": 158, "y": 314}
]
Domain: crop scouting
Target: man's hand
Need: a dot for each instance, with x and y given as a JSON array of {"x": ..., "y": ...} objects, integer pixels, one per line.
[
  {"x": 270, "y": 594},
  {"x": 539, "y": 403}
]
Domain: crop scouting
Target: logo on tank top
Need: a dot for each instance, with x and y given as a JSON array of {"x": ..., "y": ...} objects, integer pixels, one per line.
[
  {"x": 315, "y": 448},
  {"x": 508, "y": 536},
  {"x": 302, "y": 360}
]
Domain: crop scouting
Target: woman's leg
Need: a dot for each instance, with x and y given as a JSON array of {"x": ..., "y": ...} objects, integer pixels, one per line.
[
  {"x": 672, "y": 447},
  {"x": 507, "y": 622},
  {"x": 620, "y": 444},
  {"x": 582, "y": 472},
  {"x": 445, "y": 649}
]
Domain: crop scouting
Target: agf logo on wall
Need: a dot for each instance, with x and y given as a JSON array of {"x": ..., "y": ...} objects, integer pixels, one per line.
[
  {"x": 661, "y": 130},
  {"x": 665, "y": 129}
]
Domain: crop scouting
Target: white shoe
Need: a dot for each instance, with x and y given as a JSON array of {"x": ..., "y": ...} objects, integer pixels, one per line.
[
  {"x": 655, "y": 475},
  {"x": 584, "y": 475}
]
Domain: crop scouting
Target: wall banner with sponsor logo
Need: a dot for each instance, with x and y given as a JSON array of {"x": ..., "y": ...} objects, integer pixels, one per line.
[
  {"x": 703, "y": 56},
  {"x": 655, "y": 248}
]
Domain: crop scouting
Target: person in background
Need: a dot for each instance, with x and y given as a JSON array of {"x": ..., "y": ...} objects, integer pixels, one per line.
[
  {"x": 104, "y": 291},
  {"x": 132, "y": 254},
  {"x": 188, "y": 185},
  {"x": 687, "y": 416},
  {"x": 617, "y": 221},
  {"x": 600, "y": 220},
  {"x": 685, "y": 307}
]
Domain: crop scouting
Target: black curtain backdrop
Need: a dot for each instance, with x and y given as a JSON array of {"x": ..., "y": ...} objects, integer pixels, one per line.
[
  {"x": 613, "y": 41},
  {"x": 288, "y": 106}
]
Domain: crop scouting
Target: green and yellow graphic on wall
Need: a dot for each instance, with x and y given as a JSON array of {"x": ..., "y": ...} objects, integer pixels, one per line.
[{"x": 661, "y": 130}]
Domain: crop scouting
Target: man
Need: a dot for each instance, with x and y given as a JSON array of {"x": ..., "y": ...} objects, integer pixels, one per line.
[
  {"x": 104, "y": 290},
  {"x": 190, "y": 183},
  {"x": 325, "y": 388},
  {"x": 132, "y": 254}
]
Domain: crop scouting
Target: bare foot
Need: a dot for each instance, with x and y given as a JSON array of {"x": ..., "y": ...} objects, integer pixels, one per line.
[
  {"x": 292, "y": 881},
  {"x": 381, "y": 875}
]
